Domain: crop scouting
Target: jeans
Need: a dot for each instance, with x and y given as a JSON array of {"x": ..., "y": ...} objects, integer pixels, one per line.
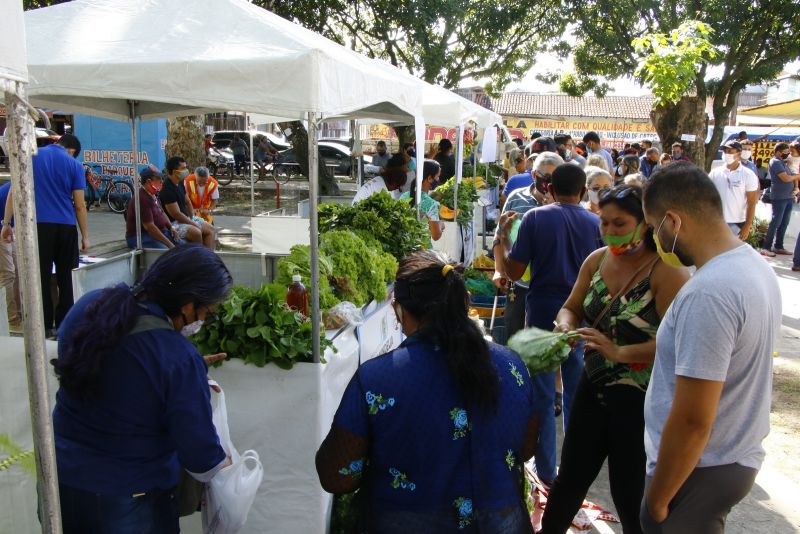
[
  {"x": 58, "y": 244},
  {"x": 702, "y": 504},
  {"x": 83, "y": 512},
  {"x": 541, "y": 315},
  {"x": 607, "y": 423},
  {"x": 781, "y": 213}
]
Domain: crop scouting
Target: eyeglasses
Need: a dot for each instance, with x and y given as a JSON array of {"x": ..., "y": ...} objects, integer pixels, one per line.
[
  {"x": 599, "y": 189},
  {"x": 545, "y": 177}
]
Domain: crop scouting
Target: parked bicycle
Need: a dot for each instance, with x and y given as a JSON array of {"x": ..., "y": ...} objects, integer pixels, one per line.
[{"x": 116, "y": 192}]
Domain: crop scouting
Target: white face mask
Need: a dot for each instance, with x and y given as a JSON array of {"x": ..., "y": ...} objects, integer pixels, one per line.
[
  {"x": 568, "y": 154},
  {"x": 192, "y": 328},
  {"x": 594, "y": 197},
  {"x": 746, "y": 154},
  {"x": 728, "y": 158}
]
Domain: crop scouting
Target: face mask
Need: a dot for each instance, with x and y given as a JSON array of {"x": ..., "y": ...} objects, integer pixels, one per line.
[
  {"x": 412, "y": 165},
  {"x": 728, "y": 158},
  {"x": 620, "y": 245},
  {"x": 670, "y": 258},
  {"x": 191, "y": 329},
  {"x": 676, "y": 155},
  {"x": 594, "y": 197},
  {"x": 746, "y": 154},
  {"x": 783, "y": 156},
  {"x": 183, "y": 174}
]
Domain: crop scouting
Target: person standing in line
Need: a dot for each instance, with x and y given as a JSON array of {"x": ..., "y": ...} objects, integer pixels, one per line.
[
  {"x": 554, "y": 240},
  {"x": 747, "y": 153},
  {"x": 598, "y": 182},
  {"x": 9, "y": 271},
  {"x": 622, "y": 290},
  {"x": 59, "y": 181},
  {"x": 649, "y": 162},
  {"x": 592, "y": 140},
  {"x": 708, "y": 404},
  {"x": 446, "y": 159},
  {"x": 566, "y": 149},
  {"x": 783, "y": 188},
  {"x": 738, "y": 188},
  {"x": 381, "y": 157},
  {"x": 677, "y": 152}
]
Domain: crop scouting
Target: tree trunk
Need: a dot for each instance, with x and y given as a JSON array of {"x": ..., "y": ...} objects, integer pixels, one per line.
[
  {"x": 299, "y": 140},
  {"x": 405, "y": 134},
  {"x": 185, "y": 138},
  {"x": 688, "y": 116}
]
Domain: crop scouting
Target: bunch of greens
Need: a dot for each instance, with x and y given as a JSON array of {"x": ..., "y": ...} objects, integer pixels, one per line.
[
  {"x": 541, "y": 350},
  {"x": 379, "y": 217},
  {"x": 255, "y": 325},
  {"x": 360, "y": 272},
  {"x": 299, "y": 262},
  {"x": 467, "y": 196}
]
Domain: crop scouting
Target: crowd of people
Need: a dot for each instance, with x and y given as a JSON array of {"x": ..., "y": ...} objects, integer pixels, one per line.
[{"x": 669, "y": 382}]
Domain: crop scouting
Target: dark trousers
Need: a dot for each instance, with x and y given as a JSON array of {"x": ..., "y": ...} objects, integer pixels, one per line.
[
  {"x": 704, "y": 501},
  {"x": 83, "y": 512},
  {"x": 515, "y": 310},
  {"x": 606, "y": 422},
  {"x": 240, "y": 161},
  {"x": 58, "y": 245}
]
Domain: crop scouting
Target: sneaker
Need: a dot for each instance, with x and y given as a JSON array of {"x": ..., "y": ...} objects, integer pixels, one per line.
[
  {"x": 767, "y": 253},
  {"x": 781, "y": 252}
]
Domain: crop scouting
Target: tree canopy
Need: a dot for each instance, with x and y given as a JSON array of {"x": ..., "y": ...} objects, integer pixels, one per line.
[{"x": 754, "y": 41}]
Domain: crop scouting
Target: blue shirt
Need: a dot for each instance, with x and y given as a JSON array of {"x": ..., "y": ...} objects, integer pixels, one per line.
[
  {"x": 429, "y": 455},
  {"x": 780, "y": 190},
  {"x": 646, "y": 167},
  {"x": 4, "y": 190},
  {"x": 151, "y": 416},
  {"x": 555, "y": 240},
  {"x": 524, "y": 179},
  {"x": 56, "y": 175},
  {"x": 750, "y": 165}
]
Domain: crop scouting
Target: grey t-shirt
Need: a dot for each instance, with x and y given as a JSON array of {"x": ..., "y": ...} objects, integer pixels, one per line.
[
  {"x": 721, "y": 327},
  {"x": 780, "y": 190}
]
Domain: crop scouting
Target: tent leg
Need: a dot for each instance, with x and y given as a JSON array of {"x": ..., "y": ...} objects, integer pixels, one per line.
[
  {"x": 135, "y": 179},
  {"x": 21, "y": 137},
  {"x": 252, "y": 175},
  {"x": 313, "y": 197}
]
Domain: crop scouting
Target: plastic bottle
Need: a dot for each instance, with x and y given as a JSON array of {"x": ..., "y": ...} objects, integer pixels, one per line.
[{"x": 297, "y": 296}]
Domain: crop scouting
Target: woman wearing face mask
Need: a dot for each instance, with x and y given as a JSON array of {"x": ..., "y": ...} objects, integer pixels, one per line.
[
  {"x": 428, "y": 207},
  {"x": 436, "y": 432},
  {"x": 628, "y": 166},
  {"x": 133, "y": 405},
  {"x": 157, "y": 232},
  {"x": 623, "y": 291},
  {"x": 598, "y": 181}
]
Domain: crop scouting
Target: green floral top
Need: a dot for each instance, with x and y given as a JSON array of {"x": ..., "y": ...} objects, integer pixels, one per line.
[
  {"x": 632, "y": 319},
  {"x": 428, "y": 208}
]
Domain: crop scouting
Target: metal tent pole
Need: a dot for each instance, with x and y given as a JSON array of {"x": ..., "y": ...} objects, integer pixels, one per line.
[
  {"x": 360, "y": 156},
  {"x": 137, "y": 208},
  {"x": 21, "y": 138},
  {"x": 252, "y": 178},
  {"x": 313, "y": 194}
]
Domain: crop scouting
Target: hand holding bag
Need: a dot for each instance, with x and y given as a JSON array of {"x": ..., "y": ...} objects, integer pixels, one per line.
[{"x": 230, "y": 494}]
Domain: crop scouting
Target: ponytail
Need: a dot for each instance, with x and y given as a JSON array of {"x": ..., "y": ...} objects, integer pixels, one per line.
[{"x": 433, "y": 291}]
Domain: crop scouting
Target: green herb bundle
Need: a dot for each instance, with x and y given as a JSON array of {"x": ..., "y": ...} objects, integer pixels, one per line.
[
  {"x": 541, "y": 350},
  {"x": 299, "y": 262},
  {"x": 391, "y": 223},
  {"x": 467, "y": 196},
  {"x": 255, "y": 325}
]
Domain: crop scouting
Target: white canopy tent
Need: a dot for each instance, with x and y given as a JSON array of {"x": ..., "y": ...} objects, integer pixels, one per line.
[{"x": 125, "y": 59}]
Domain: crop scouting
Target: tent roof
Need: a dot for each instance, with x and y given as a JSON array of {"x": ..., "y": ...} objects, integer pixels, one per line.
[
  {"x": 782, "y": 110},
  {"x": 166, "y": 56},
  {"x": 12, "y": 43}
]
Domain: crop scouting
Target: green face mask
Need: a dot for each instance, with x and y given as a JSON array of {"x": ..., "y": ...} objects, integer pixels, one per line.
[
  {"x": 619, "y": 245},
  {"x": 670, "y": 258}
]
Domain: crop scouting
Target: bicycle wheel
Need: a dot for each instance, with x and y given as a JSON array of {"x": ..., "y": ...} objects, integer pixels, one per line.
[
  {"x": 119, "y": 194},
  {"x": 222, "y": 173},
  {"x": 256, "y": 174},
  {"x": 281, "y": 174}
]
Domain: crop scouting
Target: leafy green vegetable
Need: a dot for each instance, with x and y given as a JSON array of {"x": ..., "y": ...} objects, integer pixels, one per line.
[
  {"x": 360, "y": 272},
  {"x": 255, "y": 325},
  {"x": 541, "y": 350},
  {"x": 299, "y": 262},
  {"x": 492, "y": 177},
  {"x": 378, "y": 218},
  {"x": 467, "y": 196},
  {"x": 475, "y": 274}
]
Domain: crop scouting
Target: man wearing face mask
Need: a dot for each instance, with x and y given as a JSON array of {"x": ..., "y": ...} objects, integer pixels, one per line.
[
  {"x": 649, "y": 162},
  {"x": 783, "y": 189},
  {"x": 747, "y": 153},
  {"x": 738, "y": 189},
  {"x": 677, "y": 152},
  {"x": 179, "y": 207},
  {"x": 708, "y": 403},
  {"x": 554, "y": 240},
  {"x": 157, "y": 231},
  {"x": 592, "y": 140},
  {"x": 566, "y": 149}
]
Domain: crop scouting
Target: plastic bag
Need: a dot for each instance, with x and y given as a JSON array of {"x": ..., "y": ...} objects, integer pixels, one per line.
[
  {"x": 230, "y": 494},
  {"x": 343, "y": 314}
]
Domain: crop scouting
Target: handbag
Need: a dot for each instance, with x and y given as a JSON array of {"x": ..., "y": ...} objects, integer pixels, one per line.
[{"x": 766, "y": 195}]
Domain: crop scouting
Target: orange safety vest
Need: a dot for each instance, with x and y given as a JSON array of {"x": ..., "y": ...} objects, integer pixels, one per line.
[{"x": 201, "y": 204}]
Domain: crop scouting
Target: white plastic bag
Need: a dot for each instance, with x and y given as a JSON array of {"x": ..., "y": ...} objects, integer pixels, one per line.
[{"x": 230, "y": 494}]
